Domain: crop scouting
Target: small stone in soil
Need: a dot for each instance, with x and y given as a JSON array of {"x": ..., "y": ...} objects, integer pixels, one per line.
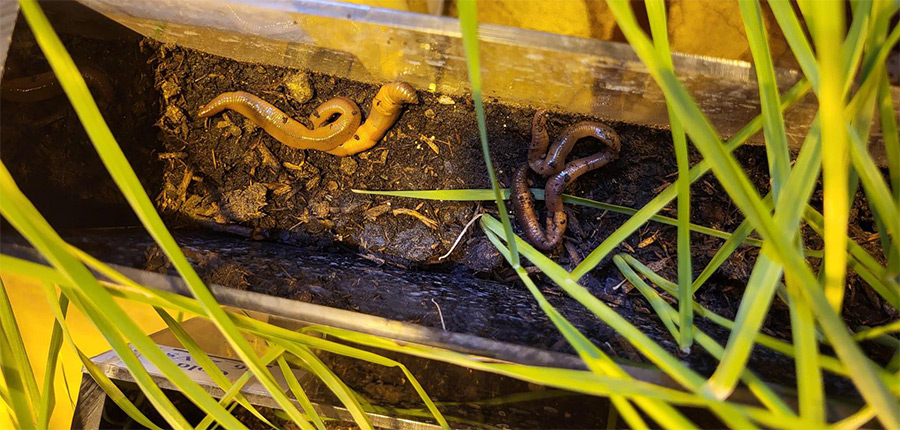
[
  {"x": 299, "y": 87},
  {"x": 348, "y": 166},
  {"x": 245, "y": 204}
]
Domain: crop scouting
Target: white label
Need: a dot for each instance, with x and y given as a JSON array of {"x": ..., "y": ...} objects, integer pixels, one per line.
[{"x": 231, "y": 368}]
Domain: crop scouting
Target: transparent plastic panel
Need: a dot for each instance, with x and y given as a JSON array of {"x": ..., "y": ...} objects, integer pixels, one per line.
[{"x": 603, "y": 79}]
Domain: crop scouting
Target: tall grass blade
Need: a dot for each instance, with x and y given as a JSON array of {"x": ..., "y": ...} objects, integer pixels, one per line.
[
  {"x": 59, "y": 309},
  {"x": 828, "y": 363},
  {"x": 745, "y": 197},
  {"x": 646, "y": 346},
  {"x": 471, "y": 195},
  {"x": 343, "y": 393},
  {"x": 656, "y": 11},
  {"x": 112, "y": 322},
  {"x": 239, "y": 383},
  {"x": 300, "y": 394},
  {"x": 773, "y": 125},
  {"x": 16, "y": 370},
  {"x": 48, "y": 393},
  {"x": 796, "y": 93},
  {"x": 597, "y": 361},
  {"x": 468, "y": 22},
  {"x": 111, "y": 154},
  {"x": 205, "y": 362},
  {"x": 827, "y": 35},
  {"x": 891, "y": 137},
  {"x": 762, "y": 391}
]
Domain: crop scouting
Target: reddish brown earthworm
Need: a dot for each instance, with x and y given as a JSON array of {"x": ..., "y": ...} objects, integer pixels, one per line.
[
  {"x": 551, "y": 162},
  {"x": 45, "y": 86},
  {"x": 336, "y": 123},
  {"x": 562, "y": 176}
]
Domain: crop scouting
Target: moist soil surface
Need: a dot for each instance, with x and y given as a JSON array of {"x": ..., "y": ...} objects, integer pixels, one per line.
[{"x": 223, "y": 174}]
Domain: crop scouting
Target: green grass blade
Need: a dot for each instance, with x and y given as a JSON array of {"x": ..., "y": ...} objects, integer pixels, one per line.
[
  {"x": 852, "y": 48},
  {"x": 777, "y": 151},
  {"x": 766, "y": 272},
  {"x": 111, "y": 154},
  {"x": 656, "y": 302},
  {"x": 745, "y": 197},
  {"x": 205, "y": 362},
  {"x": 48, "y": 398},
  {"x": 16, "y": 365},
  {"x": 762, "y": 391},
  {"x": 14, "y": 374},
  {"x": 59, "y": 308},
  {"x": 828, "y": 363},
  {"x": 827, "y": 36},
  {"x": 874, "y": 332},
  {"x": 796, "y": 39},
  {"x": 90, "y": 298},
  {"x": 880, "y": 280},
  {"x": 797, "y": 92},
  {"x": 331, "y": 380},
  {"x": 474, "y": 195},
  {"x": 468, "y": 23},
  {"x": 239, "y": 384},
  {"x": 891, "y": 135},
  {"x": 855, "y": 421},
  {"x": 879, "y": 194},
  {"x": 646, "y": 346},
  {"x": 576, "y": 381},
  {"x": 656, "y": 12},
  {"x": 597, "y": 361},
  {"x": 810, "y": 390},
  {"x": 300, "y": 394},
  {"x": 573, "y": 380}
]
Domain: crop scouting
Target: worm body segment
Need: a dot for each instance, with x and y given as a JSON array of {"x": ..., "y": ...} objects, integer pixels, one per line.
[
  {"x": 285, "y": 129},
  {"x": 551, "y": 162},
  {"x": 386, "y": 108},
  {"x": 336, "y": 123},
  {"x": 561, "y": 174},
  {"x": 45, "y": 86}
]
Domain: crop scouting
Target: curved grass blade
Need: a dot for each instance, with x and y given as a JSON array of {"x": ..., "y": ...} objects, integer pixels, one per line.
[
  {"x": 59, "y": 309},
  {"x": 239, "y": 383},
  {"x": 745, "y": 197},
  {"x": 300, "y": 394},
  {"x": 48, "y": 398},
  {"x": 16, "y": 367},
  {"x": 332, "y": 381},
  {"x": 597, "y": 361},
  {"x": 646, "y": 346},
  {"x": 205, "y": 362},
  {"x": 656, "y": 12},
  {"x": 762, "y": 391},
  {"x": 27, "y": 220},
  {"x": 15, "y": 395},
  {"x": 111, "y": 154},
  {"x": 468, "y": 23}
]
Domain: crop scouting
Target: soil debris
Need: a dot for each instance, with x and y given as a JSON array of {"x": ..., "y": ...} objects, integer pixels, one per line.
[
  {"x": 245, "y": 204},
  {"x": 299, "y": 87}
]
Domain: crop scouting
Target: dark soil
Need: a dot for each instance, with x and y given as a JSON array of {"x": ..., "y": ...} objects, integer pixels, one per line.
[{"x": 224, "y": 174}]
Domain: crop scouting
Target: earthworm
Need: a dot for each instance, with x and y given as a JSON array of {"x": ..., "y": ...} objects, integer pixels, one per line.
[
  {"x": 551, "y": 162},
  {"x": 288, "y": 131},
  {"x": 384, "y": 113},
  {"x": 45, "y": 86},
  {"x": 341, "y": 136},
  {"x": 523, "y": 202}
]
